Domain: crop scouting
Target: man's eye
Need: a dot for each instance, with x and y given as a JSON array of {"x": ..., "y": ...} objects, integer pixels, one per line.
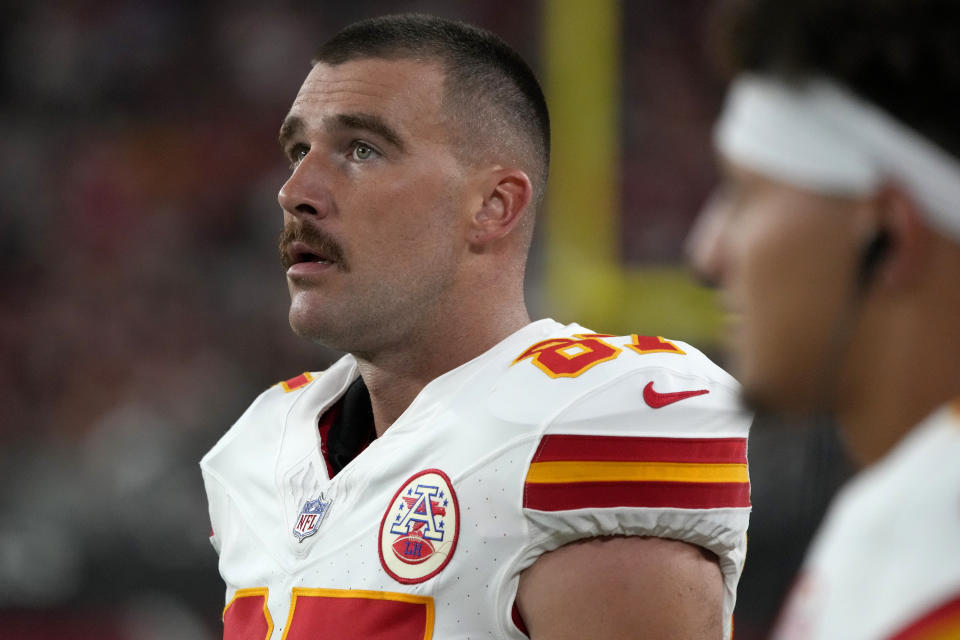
[
  {"x": 362, "y": 151},
  {"x": 298, "y": 153}
]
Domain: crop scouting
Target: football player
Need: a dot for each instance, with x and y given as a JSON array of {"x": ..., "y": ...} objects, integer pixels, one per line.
[
  {"x": 463, "y": 472},
  {"x": 836, "y": 239}
]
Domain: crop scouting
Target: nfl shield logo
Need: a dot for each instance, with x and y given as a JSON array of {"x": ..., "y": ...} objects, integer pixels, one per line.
[{"x": 310, "y": 517}]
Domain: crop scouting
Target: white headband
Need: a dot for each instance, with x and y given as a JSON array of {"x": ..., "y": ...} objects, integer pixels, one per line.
[{"x": 819, "y": 136}]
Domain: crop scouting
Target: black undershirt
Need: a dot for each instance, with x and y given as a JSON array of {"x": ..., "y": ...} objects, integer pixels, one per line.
[{"x": 352, "y": 428}]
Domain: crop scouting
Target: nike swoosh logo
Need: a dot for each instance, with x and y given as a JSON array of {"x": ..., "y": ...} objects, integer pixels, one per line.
[{"x": 659, "y": 400}]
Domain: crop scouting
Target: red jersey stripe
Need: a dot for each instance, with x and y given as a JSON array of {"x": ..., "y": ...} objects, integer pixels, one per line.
[
  {"x": 296, "y": 382},
  {"x": 247, "y": 616},
  {"x": 599, "y": 495},
  {"x": 635, "y": 449},
  {"x": 939, "y": 624}
]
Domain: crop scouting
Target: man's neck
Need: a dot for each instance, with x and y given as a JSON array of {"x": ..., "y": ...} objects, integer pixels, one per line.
[
  {"x": 905, "y": 368},
  {"x": 396, "y": 376}
]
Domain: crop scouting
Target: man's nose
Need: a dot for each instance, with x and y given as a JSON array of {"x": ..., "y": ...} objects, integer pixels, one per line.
[
  {"x": 704, "y": 243},
  {"x": 307, "y": 190}
]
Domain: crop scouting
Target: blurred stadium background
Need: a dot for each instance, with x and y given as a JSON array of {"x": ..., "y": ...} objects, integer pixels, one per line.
[{"x": 142, "y": 304}]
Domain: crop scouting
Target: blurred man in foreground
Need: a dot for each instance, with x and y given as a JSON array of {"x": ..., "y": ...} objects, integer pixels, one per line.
[
  {"x": 836, "y": 239},
  {"x": 463, "y": 472}
]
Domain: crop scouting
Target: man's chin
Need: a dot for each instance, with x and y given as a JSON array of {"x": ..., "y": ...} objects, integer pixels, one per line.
[
  {"x": 307, "y": 326},
  {"x": 337, "y": 338},
  {"x": 307, "y": 333}
]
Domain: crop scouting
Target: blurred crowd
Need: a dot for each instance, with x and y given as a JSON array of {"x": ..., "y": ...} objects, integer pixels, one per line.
[{"x": 142, "y": 304}]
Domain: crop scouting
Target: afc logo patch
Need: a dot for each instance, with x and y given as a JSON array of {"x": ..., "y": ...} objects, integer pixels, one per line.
[{"x": 419, "y": 531}]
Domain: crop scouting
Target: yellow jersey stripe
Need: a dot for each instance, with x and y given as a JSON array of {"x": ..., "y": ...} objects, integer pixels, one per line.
[{"x": 582, "y": 471}]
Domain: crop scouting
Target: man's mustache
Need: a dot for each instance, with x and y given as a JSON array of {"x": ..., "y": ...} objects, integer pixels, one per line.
[{"x": 322, "y": 246}]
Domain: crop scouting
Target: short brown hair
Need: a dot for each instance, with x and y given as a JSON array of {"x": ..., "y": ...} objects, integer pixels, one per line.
[{"x": 490, "y": 87}]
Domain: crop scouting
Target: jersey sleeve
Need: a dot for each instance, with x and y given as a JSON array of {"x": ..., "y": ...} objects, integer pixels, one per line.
[{"x": 652, "y": 447}]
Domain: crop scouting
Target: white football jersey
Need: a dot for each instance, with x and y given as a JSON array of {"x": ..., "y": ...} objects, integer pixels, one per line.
[
  {"x": 553, "y": 435},
  {"x": 886, "y": 562}
]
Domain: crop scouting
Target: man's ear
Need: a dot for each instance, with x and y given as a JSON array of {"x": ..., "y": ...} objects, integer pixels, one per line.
[
  {"x": 507, "y": 194},
  {"x": 900, "y": 218}
]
